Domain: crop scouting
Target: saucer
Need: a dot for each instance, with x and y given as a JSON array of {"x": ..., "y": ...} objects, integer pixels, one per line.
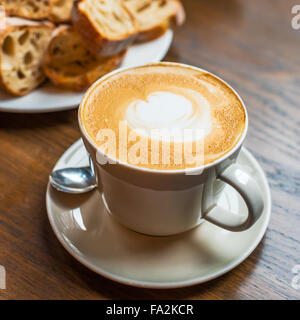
[{"x": 85, "y": 229}]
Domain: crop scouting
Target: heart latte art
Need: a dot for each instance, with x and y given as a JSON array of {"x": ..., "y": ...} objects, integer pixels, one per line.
[
  {"x": 142, "y": 114},
  {"x": 176, "y": 112}
]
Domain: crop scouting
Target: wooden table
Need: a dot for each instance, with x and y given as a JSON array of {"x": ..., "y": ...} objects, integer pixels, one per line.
[{"x": 252, "y": 45}]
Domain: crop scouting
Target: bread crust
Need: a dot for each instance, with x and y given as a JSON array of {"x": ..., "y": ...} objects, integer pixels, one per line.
[
  {"x": 62, "y": 17},
  {"x": 152, "y": 34},
  {"x": 157, "y": 31},
  {"x": 34, "y": 15},
  {"x": 81, "y": 81},
  {"x": 13, "y": 24},
  {"x": 56, "y": 17},
  {"x": 97, "y": 43}
]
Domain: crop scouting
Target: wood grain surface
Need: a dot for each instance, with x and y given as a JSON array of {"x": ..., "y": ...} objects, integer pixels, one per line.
[{"x": 252, "y": 45}]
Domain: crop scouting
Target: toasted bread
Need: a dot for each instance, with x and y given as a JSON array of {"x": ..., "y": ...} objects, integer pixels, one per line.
[
  {"x": 22, "y": 46},
  {"x": 155, "y": 17},
  {"x": 69, "y": 64},
  {"x": 30, "y": 9},
  {"x": 61, "y": 11},
  {"x": 107, "y": 26}
]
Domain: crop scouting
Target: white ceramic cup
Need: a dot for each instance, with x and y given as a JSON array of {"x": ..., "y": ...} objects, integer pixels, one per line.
[{"x": 162, "y": 202}]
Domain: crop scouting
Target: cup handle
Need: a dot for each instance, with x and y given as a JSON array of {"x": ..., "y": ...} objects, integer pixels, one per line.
[{"x": 247, "y": 187}]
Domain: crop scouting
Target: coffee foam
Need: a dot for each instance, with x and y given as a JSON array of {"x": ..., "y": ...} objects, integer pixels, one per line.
[
  {"x": 167, "y": 97},
  {"x": 185, "y": 109}
]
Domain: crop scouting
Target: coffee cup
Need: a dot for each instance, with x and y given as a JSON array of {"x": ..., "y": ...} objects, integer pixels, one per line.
[{"x": 165, "y": 200}]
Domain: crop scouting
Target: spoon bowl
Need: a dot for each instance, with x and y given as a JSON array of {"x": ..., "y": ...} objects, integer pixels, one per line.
[{"x": 73, "y": 180}]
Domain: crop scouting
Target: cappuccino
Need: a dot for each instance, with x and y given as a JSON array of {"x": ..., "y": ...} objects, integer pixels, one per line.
[{"x": 163, "y": 117}]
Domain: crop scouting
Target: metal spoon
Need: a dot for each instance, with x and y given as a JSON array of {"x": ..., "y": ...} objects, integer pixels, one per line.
[{"x": 74, "y": 180}]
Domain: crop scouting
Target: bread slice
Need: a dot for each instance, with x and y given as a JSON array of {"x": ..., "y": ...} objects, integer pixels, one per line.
[
  {"x": 69, "y": 64},
  {"x": 106, "y": 25},
  {"x": 155, "y": 17},
  {"x": 22, "y": 47},
  {"x": 61, "y": 11},
  {"x": 30, "y": 9}
]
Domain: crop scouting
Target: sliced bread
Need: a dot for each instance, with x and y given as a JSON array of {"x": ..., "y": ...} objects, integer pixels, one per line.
[
  {"x": 61, "y": 11},
  {"x": 155, "y": 17},
  {"x": 22, "y": 46},
  {"x": 107, "y": 26},
  {"x": 69, "y": 64},
  {"x": 30, "y": 9}
]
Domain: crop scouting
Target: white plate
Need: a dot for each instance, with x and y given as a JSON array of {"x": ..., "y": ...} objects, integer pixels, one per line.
[
  {"x": 48, "y": 98},
  {"x": 95, "y": 239}
]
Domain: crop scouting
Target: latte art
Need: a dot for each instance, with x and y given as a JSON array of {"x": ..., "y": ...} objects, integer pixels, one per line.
[
  {"x": 175, "y": 112},
  {"x": 121, "y": 113}
]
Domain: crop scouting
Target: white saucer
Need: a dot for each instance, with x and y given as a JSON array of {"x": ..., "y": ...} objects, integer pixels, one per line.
[
  {"x": 90, "y": 235},
  {"x": 47, "y": 98}
]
